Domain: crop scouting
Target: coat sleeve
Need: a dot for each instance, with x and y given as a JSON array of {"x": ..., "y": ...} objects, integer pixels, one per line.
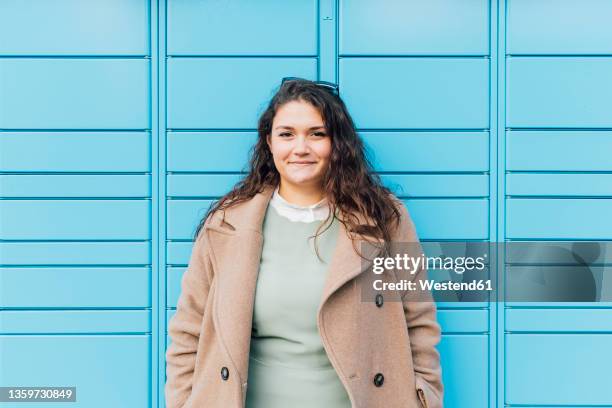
[
  {"x": 423, "y": 328},
  {"x": 184, "y": 326}
]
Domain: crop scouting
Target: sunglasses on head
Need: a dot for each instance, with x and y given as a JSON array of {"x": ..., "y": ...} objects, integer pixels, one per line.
[{"x": 330, "y": 86}]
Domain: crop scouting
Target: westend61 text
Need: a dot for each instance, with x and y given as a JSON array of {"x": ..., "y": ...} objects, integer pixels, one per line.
[{"x": 429, "y": 284}]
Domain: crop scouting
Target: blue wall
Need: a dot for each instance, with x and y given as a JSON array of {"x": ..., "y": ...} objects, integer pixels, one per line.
[{"x": 120, "y": 120}]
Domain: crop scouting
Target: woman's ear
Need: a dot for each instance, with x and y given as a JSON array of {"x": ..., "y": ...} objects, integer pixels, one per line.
[{"x": 268, "y": 141}]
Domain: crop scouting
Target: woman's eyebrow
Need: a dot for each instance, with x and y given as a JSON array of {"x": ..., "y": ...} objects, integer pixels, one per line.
[{"x": 290, "y": 127}]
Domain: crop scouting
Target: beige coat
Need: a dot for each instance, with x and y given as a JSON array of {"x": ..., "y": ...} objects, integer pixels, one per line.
[{"x": 207, "y": 360}]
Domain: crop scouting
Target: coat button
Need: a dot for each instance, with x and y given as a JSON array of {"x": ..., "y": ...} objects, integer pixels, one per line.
[
  {"x": 224, "y": 373},
  {"x": 379, "y": 379},
  {"x": 379, "y": 300}
]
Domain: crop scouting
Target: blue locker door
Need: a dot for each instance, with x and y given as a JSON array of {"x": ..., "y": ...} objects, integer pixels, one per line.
[
  {"x": 558, "y": 188},
  {"x": 75, "y": 210}
]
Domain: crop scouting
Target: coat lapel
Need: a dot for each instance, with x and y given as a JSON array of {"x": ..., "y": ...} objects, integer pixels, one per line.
[
  {"x": 236, "y": 252},
  {"x": 236, "y": 255}
]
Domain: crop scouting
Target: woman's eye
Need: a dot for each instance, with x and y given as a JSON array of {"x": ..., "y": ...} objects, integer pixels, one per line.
[
  {"x": 319, "y": 134},
  {"x": 284, "y": 134}
]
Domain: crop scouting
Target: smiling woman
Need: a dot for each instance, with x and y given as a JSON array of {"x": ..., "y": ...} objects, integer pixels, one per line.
[{"x": 270, "y": 313}]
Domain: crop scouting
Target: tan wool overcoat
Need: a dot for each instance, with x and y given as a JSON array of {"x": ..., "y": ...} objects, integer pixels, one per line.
[{"x": 385, "y": 353}]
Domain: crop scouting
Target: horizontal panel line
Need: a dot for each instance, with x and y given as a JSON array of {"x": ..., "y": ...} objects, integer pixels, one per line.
[
  {"x": 50, "y": 130},
  {"x": 608, "y": 55},
  {"x": 212, "y": 173},
  {"x": 462, "y": 308},
  {"x": 445, "y": 173},
  {"x": 72, "y": 309},
  {"x": 557, "y": 332},
  {"x": 553, "y": 239},
  {"x": 407, "y": 130},
  {"x": 557, "y": 405},
  {"x": 558, "y": 171},
  {"x": 465, "y": 333},
  {"x": 561, "y": 197},
  {"x": 190, "y": 198},
  {"x": 591, "y": 306},
  {"x": 453, "y": 240},
  {"x": 560, "y": 129},
  {"x": 42, "y": 198},
  {"x": 74, "y": 173},
  {"x": 78, "y": 334},
  {"x": 390, "y": 173},
  {"x": 210, "y": 130},
  {"x": 234, "y": 56},
  {"x": 76, "y": 56},
  {"x": 389, "y": 130},
  {"x": 556, "y": 264},
  {"x": 74, "y": 266},
  {"x": 72, "y": 240},
  {"x": 409, "y": 56}
]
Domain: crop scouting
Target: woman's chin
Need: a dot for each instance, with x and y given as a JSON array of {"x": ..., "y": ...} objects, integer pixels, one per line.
[{"x": 303, "y": 181}]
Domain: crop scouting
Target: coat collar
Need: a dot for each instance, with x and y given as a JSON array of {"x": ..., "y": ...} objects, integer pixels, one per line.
[{"x": 236, "y": 242}]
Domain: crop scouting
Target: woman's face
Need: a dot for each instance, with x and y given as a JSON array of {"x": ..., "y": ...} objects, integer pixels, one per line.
[{"x": 300, "y": 144}]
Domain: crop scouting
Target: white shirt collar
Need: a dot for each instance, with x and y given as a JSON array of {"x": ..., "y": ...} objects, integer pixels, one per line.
[{"x": 294, "y": 212}]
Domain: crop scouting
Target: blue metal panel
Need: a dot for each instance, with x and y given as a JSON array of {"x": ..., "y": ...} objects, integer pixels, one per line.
[
  {"x": 179, "y": 252},
  {"x": 464, "y": 321},
  {"x": 75, "y": 321},
  {"x": 107, "y": 370},
  {"x": 173, "y": 285},
  {"x": 74, "y": 27},
  {"x": 75, "y": 151},
  {"x": 75, "y": 185},
  {"x": 563, "y": 184},
  {"x": 78, "y": 253},
  {"x": 437, "y": 185},
  {"x": 559, "y": 151},
  {"x": 559, "y": 27},
  {"x": 559, "y": 92},
  {"x": 524, "y": 320},
  {"x": 460, "y": 219},
  {"x": 558, "y": 369},
  {"x": 183, "y": 217},
  {"x": 567, "y": 218},
  {"x": 423, "y": 93},
  {"x": 400, "y": 27},
  {"x": 75, "y": 219},
  {"x": 74, "y": 93},
  {"x": 203, "y": 185},
  {"x": 465, "y": 370},
  {"x": 210, "y": 151},
  {"x": 428, "y": 151},
  {"x": 74, "y": 287},
  {"x": 244, "y": 84},
  {"x": 264, "y": 27}
]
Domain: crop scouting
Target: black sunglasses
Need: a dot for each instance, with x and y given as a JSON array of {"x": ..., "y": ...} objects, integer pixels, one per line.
[{"x": 330, "y": 86}]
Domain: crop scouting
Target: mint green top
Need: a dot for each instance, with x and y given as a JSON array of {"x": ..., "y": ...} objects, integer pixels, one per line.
[{"x": 288, "y": 366}]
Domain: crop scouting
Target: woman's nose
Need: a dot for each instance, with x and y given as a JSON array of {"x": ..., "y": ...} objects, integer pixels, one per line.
[{"x": 301, "y": 145}]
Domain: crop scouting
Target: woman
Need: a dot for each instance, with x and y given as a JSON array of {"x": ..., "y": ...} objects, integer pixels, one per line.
[{"x": 270, "y": 313}]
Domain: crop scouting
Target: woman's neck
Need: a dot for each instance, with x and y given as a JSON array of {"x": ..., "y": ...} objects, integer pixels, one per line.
[{"x": 303, "y": 196}]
